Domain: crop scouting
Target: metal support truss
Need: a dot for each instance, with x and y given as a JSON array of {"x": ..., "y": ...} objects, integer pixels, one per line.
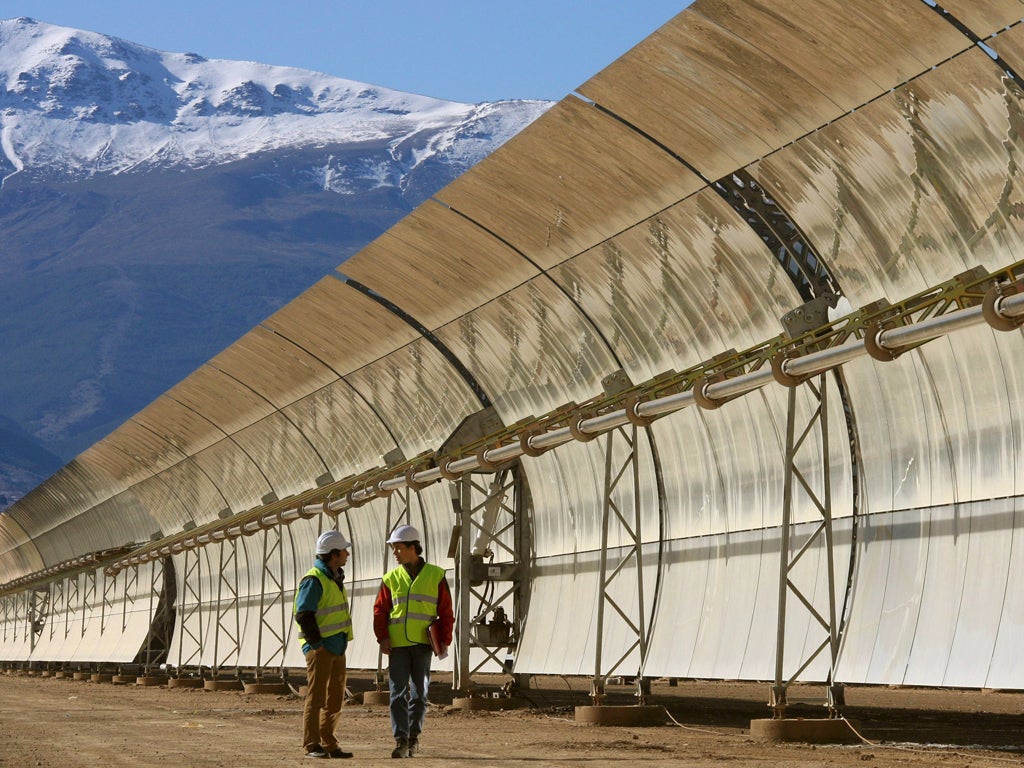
[
  {"x": 7, "y": 624},
  {"x": 274, "y": 618},
  {"x": 227, "y": 633},
  {"x": 491, "y": 546},
  {"x": 14, "y": 620},
  {"x": 88, "y": 594},
  {"x": 128, "y": 595},
  {"x": 190, "y": 624},
  {"x": 621, "y": 471},
  {"x": 39, "y": 610},
  {"x": 108, "y": 598},
  {"x": 58, "y": 608},
  {"x": 71, "y": 602},
  {"x": 23, "y": 619},
  {"x": 460, "y": 540},
  {"x": 161, "y": 596},
  {"x": 148, "y": 651},
  {"x": 112, "y": 595},
  {"x": 821, "y": 499}
]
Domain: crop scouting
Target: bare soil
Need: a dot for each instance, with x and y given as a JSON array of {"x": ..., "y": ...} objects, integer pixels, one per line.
[{"x": 63, "y": 723}]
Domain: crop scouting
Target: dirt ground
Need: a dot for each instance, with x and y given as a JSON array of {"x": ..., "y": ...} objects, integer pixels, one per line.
[{"x": 64, "y": 723}]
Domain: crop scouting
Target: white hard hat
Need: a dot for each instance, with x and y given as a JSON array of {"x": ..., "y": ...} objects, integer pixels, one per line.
[
  {"x": 330, "y": 540},
  {"x": 404, "y": 534}
]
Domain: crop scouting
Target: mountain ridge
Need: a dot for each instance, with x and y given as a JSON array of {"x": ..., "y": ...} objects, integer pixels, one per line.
[{"x": 93, "y": 103}]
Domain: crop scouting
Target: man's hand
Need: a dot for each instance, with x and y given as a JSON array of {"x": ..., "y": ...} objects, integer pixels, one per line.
[
  {"x": 316, "y": 647},
  {"x": 310, "y": 630},
  {"x": 385, "y": 646}
]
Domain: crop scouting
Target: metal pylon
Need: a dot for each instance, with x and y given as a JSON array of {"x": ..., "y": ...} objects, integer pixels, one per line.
[
  {"x": 274, "y": 610},
  {"x": 25, "y": 614},
  {"x": 7, "y": 633},
  {"x": 39, "y": 610},
  {"x": 161, "y": 597},
  {"x": 227, "y": 634},
  {"x": 88, "y": 594},
  {"x": 817, "y": 388},
  {"x": 71, "y": 604},
  {"x": 621, "y": 467},
  {"x": 191, "y": 617},
  {"x": 490, "y": 560},
  {"x": 58, "y": 607},
  {"x": 129, "y": 593},
  {"x": 108, "y": 598},
  {"x": 20, "y": 616}
]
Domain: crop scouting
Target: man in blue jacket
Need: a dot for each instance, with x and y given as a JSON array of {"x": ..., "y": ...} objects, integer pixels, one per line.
[{"x": 321, "y": 611}]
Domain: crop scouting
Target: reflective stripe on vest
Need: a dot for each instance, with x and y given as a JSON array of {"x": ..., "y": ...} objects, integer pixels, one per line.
[
  {"x": 412, "y": 611},
  {"x": 332, "y": 615}
]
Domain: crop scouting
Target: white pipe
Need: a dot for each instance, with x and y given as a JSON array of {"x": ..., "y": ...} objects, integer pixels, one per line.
[
  {"x": 738, "y": 385},
  {"x": 816, "y": 362},
  {"x": 926, "y": 330},
  {"x": 1010, "y": 306}
]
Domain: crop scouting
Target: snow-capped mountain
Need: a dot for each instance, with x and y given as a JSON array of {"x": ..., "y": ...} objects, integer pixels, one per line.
[
  {"x": 156, "y": 206},
  {"x": 79, "y": 103}
]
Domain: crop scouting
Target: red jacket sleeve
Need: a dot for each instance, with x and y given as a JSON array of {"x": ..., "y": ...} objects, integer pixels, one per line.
[
  {"x": 382, "y": 612},
  {"x": 445, "y": 615}
]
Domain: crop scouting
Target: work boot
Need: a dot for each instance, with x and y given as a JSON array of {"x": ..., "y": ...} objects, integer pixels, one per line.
[
  {"x": 414, "y": 744},
  {"x": 401, "y": 748}
]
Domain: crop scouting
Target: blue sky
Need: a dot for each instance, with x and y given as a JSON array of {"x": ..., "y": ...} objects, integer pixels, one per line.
[{"x": 463, "y": 50}]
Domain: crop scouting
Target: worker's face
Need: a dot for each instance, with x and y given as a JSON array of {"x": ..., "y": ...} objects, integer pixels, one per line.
[
  {"x": 339, "y": 560},
  {"x": 405, "y": 554}
]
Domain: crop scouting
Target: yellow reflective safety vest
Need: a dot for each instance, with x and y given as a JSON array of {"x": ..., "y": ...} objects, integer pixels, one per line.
[
  {"x": 332, "y": 614},
  {"x": 413, "y": 603}
]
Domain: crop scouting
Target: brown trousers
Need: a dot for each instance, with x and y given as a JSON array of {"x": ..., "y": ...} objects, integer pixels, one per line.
[{"x": 325, "y": 695}]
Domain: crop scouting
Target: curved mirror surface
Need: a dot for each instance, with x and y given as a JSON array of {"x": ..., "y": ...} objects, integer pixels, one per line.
[{"x": 417, "y": 394}]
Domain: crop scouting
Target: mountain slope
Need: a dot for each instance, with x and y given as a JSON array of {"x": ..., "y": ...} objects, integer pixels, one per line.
[{"x": 156, "y": 206}]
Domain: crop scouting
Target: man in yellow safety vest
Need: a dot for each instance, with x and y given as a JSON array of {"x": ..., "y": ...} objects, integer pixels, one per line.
[
  {"x": 412, "y": 596},
  {"x": 321, "y": 611}
]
